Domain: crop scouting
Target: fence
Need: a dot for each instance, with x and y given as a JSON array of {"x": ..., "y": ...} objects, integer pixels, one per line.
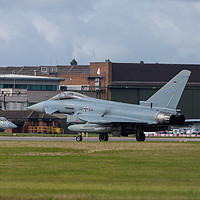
[{"x": 45, "y": 130}]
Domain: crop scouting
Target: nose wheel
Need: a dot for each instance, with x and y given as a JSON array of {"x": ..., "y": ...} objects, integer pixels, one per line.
[{"x": 79, "y": 138}]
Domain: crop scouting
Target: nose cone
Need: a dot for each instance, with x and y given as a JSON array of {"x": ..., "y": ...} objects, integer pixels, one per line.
[
  {"x": 11, "y": 125},
  {"x": 37, "y": 107}
]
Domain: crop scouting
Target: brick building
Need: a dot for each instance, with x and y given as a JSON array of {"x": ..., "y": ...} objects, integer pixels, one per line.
[{"x": 26, "y": 119}]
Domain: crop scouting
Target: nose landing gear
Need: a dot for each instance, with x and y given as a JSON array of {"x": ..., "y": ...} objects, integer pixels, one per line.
[{"x": 79, "y": 138}]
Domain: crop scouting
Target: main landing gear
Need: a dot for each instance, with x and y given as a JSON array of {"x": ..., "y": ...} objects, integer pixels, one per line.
[
  {"x": 103, "y": 137},
  {"x": 140, "y": 136}
]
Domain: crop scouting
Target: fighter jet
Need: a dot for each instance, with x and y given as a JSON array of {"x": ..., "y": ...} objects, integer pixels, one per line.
[
  {"x": 90, "y": 115},
  {"x": 4, "y": 124}
]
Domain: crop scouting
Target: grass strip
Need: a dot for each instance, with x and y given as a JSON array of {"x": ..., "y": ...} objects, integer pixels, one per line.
[{"x": 99, "y": 170}]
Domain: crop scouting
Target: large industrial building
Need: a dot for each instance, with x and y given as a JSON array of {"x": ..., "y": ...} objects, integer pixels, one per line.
[
  {"x": 124, "y": 82},
  {"x": 17, "y": 92},
  {"x": 134, "y": 82}
]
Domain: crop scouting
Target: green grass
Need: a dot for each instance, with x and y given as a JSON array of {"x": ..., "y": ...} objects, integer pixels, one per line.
[{"x": 99, "y": 170}]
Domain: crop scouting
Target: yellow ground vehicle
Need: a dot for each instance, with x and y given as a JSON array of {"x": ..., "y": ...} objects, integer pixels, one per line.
[{"x": 45, "y": 129}]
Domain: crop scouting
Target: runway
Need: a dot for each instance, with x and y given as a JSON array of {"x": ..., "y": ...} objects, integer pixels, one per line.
[{"x": 93, "y": 139}]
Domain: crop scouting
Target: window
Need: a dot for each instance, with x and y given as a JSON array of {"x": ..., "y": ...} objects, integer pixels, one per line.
[
  {"x": 54, "y": 87},
  {"x": 63, "y": 87},
  {"x": 38, "y": 87},
  {"x": 43, "y": 87},
  {"x": 31, "y": 87},
  {"x": 49, "y": 88},
  {"x": 44, "y": 69}
]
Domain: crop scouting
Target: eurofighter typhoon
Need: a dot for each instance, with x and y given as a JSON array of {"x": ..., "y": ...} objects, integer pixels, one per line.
[{"x": 91, "y": 115}]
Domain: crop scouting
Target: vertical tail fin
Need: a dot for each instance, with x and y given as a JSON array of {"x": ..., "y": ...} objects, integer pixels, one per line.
[{"x": 169, "y": 95}]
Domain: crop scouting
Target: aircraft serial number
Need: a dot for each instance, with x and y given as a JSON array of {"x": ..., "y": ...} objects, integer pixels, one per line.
[{"x": 86, "y": 108}]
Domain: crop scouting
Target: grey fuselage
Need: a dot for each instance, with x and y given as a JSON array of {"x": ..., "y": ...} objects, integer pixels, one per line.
[
  {"x": 5, "y": 124},
  {"x": 97, "y": 107}
]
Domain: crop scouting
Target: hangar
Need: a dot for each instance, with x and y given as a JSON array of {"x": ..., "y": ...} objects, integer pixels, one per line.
[{"x": 134, "y": 82}]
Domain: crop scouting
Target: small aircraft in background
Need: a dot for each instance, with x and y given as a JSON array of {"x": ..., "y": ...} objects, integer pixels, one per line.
[
  {"x": 4, "y": 124},
  {"x": 191, "y": 126},
  {"x": 91, "y": 115},
  {"x": 194, "y": 125}
]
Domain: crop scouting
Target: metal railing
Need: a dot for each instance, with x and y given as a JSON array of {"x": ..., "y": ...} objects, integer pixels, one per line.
[{"x": 45, "y": 130}]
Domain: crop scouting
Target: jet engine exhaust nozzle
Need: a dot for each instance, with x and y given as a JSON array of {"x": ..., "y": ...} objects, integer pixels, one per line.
[
  {"x": 181, "y": 119},
  {"x": 166, "y": 118}
]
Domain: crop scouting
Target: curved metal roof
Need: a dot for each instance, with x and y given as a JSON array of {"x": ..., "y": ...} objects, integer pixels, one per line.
[{"x": 25, "y": 77}]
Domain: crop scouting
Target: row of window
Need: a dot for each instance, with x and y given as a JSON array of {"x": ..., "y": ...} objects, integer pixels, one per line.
[{"x": 30, "y": 87}]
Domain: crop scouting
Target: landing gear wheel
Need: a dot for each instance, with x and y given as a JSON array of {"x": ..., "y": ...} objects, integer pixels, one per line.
[
  {"x": 79, "y": 138},
  {"x": 140, "y": 136},
  {"x": 103, "y": 137}
]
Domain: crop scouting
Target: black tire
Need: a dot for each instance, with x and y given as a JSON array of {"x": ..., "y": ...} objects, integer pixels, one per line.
[
  {"x": 140, "y": 136},
  {"x": 103, "y": 137},
  {"x": 137, "y": 137},
  {"x": 79, "y": 138}
]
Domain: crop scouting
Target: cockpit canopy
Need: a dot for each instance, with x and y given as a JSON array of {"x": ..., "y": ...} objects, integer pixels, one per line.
[
  {"x": 3, "y": 119},
  {"x": 68, "y": 95}
]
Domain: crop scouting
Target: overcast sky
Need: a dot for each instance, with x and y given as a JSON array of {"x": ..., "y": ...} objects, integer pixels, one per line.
[{"x": 53, "y": 32}]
